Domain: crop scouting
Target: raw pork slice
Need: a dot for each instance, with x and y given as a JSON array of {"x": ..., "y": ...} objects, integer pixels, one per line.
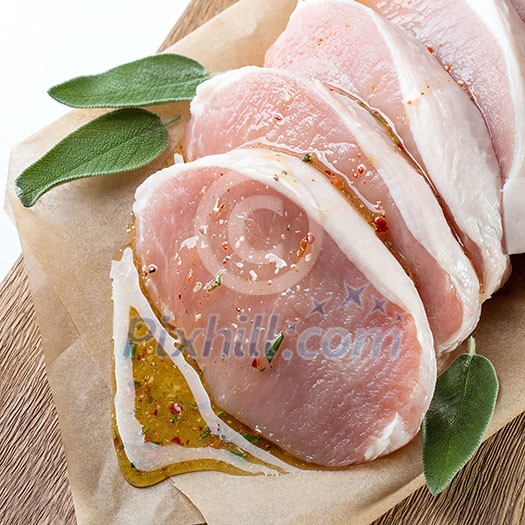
[
  {"x": 275, "y": 108},
  {"x": 347, "y": 45},
  {"x": 238, "y": 249},
  {"x": 482, "y": 44}
]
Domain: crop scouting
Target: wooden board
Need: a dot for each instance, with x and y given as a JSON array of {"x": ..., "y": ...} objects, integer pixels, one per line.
[{"x": 34, "y": 487}]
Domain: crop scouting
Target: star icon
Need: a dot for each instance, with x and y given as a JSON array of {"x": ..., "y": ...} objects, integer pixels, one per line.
[
  {"x": 379, "y": 306},
  {"x": 292, "y": 327},
  {"x": 353, "y": 295},
  {"x": 318, "y": 307}
]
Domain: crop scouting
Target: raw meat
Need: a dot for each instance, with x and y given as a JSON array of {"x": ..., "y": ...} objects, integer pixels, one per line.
[
  {"x": 347, "y": 45},
  {"x": 233, "y": 243},
  {"x": 482, "y": 44},
  {"x": 275, "y": 108},
  {"x": 519, "y": 5}
]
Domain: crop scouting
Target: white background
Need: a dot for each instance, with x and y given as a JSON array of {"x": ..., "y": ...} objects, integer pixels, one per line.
[{"x": 43, "y": 43}]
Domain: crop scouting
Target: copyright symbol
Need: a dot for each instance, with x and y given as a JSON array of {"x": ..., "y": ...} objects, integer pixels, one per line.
[{"x": 255, "y": 238}]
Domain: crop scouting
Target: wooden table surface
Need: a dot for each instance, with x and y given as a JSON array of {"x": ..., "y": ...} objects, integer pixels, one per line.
[{"x": 34, "y": 487}]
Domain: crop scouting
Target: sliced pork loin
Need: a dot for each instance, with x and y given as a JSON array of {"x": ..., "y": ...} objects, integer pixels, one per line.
[
  {"x": 483, "y": 46},
  {"x": 239, "y": 248},
  {"x": 284, "y": 112},
  {"x": 347, "y": 45}
]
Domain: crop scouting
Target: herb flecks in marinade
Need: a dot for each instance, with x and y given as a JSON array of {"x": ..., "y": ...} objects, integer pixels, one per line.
[
  {"x": 274, "y": 347},
  {"x": 216, "y": 282}
]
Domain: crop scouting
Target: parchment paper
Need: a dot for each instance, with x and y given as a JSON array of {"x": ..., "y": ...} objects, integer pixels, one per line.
[{"x": 69, "y": 239}]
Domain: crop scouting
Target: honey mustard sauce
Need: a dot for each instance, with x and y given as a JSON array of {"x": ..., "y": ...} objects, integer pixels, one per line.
[{"x": 164, "y": 422}]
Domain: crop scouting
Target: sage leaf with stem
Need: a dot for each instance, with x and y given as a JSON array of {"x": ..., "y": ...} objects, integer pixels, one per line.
[
  {"x": 459, "y": 414},
  {"x": 116, "y": 142},
  {"x": 157, "y": 79}
]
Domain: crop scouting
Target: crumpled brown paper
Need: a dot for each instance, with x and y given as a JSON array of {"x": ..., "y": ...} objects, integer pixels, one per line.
[{"x": 69, "y": 239}]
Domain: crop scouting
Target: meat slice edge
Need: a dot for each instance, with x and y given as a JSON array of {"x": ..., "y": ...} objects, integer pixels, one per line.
[
  {"x": 519, "y": 5},
  {"x": 347, "y": 45},
  {"x": 483, "y": 47}
]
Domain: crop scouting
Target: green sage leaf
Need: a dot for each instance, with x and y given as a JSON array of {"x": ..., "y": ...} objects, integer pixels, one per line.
[
  {"x": 120, "y": 141},
  {"x": 460, "y": 411},
  {"x": 157, "y": 79}
]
